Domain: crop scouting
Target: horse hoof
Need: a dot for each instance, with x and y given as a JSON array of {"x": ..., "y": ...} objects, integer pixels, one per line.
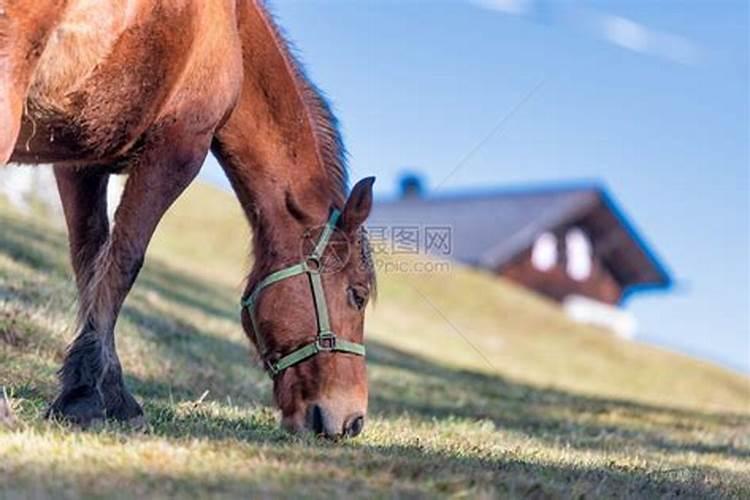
[
  {"x": 81, "y": 407},
  {"x": 84, "y": 408}
]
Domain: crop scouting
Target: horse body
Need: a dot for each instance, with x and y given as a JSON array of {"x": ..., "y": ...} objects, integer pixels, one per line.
[
  {"x": 147, "y": 87},
  {"x": 112, "y": 72}
]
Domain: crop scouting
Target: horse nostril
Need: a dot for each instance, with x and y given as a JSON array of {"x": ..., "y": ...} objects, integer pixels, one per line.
[
  {"x": 315, "y": 419},
  {"x": 354, "y": 426}
]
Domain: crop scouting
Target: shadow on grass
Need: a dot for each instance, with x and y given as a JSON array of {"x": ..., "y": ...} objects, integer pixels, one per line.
[
  {"x": 320, "y": 470},
  {"x": 530, "y": 479},
  {"x": 45, "y": 250},
  {"x": 428, "y": 391},
  {"x": 197, "y": 361},
  {"x": 553, "y": 415},
  {"x": 30, "y": 243},
  {"x": 188, "y": 291}
]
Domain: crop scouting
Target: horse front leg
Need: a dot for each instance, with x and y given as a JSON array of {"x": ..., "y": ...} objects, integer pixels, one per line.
[
  {"x": 92, "y": 386},
  {"x": 84, "y": 199}
]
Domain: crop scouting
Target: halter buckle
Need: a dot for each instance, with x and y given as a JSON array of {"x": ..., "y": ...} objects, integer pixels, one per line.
[
  {"x": 271, "y": 368},
  {"x": 326, "y": 342}
]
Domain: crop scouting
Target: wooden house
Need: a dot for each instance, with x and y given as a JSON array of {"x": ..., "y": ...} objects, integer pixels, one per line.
[{"x": 570, "y": 243}]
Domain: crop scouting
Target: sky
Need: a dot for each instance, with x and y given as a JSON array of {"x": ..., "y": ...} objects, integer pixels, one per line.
[{"x": 649, "y": 98}]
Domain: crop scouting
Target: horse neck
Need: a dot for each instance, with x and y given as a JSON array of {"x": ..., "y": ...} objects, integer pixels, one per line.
[{"x": 280, "y": 147}]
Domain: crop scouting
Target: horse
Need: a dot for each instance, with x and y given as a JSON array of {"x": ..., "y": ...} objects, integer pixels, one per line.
[{"x": 147, "y": 88}]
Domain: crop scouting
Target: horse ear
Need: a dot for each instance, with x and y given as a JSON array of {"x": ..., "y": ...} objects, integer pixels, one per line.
[{"x": 358, "y": 206}]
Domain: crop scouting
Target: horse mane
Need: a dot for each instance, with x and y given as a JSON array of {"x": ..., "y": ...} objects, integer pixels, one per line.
[
  {"x": 323, "y": 123},
  {"x": 329, "y": 146}
]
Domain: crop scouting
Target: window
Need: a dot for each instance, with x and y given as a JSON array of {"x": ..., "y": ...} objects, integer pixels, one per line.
[
  {"x": 544, "y": 253},
  {"x": 579, "y": 254}
]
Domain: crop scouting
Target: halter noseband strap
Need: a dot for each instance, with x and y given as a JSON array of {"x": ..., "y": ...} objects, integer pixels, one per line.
[{"x": 326, "y": 340}]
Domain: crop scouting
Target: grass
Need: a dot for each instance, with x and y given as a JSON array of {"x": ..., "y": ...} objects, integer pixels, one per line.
[{"x": 478, "y": 389}]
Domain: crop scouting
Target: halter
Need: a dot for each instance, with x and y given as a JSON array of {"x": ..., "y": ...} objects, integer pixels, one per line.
[{"x": 326, "y": 340}]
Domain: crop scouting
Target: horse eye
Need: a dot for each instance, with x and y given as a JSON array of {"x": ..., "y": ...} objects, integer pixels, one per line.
[{"x": 357, "y": 297}]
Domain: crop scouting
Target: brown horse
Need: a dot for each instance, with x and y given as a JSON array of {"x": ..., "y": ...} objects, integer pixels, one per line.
[{"x": 147, "y": 88}]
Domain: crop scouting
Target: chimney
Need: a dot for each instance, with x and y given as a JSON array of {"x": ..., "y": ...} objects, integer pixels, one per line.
[{"x": 411, "y": 186}]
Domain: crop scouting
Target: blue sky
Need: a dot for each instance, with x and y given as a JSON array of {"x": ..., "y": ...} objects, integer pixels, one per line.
[{"x": 648, "y": 97}]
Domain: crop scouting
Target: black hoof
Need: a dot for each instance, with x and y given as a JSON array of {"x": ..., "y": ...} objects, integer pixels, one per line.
[
  {"x": 81, "y": 406},
  {"x": 86, "y": 407}
]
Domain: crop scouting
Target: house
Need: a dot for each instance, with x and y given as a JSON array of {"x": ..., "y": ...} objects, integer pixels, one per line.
[{"x": 570, "y": 243}]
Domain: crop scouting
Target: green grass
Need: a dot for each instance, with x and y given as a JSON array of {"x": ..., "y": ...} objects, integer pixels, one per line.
[{"x": 478, "y": 389}]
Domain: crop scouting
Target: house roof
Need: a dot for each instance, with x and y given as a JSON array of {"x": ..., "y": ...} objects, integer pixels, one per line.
[{"x": 489, "y": 229}]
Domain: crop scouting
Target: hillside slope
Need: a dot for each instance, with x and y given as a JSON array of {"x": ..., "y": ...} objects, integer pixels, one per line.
[
  {"x": 450, "y": 314},
  {"x": 477, "y": 387}
]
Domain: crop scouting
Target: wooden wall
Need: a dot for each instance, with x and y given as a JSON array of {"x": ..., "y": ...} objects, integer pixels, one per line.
[{"x": 557, "y": 284}]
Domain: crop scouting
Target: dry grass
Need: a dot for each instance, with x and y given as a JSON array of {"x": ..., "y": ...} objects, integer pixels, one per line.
[{"x": 548, "y": 409}]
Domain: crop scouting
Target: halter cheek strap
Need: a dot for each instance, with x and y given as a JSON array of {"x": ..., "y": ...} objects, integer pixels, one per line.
[{"x": 326, "y": 340}]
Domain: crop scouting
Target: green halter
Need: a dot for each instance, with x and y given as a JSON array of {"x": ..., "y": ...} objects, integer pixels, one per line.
[{"x": 326, "y": 341}]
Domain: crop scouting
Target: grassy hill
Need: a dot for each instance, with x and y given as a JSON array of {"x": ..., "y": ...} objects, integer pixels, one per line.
[{"x": 477, "y": 388}]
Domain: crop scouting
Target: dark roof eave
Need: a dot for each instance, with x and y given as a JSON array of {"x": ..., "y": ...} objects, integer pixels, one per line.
[{"x": 664, "y": 282}]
